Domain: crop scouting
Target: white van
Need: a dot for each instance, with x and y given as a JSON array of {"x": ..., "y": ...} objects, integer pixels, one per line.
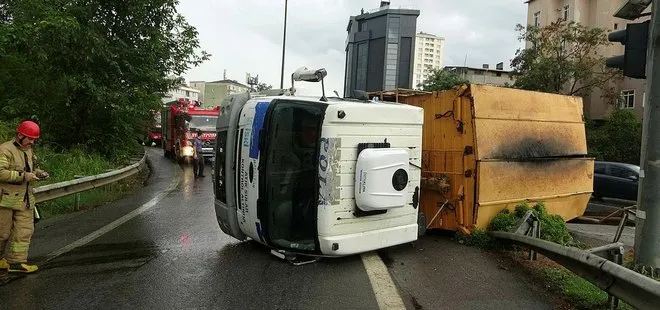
[{"x": 318, "y": 176}]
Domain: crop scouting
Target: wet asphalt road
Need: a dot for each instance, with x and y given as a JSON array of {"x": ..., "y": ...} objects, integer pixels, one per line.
[{"x": 174, "y": 256}]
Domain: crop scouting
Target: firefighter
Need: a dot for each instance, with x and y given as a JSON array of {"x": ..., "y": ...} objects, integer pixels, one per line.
[
  {"x": 198, "y": 156},
  {"x": 17, "y": 174}
]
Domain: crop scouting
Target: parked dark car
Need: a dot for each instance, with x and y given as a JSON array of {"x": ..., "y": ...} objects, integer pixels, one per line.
[{"x": 615, "y": 180}]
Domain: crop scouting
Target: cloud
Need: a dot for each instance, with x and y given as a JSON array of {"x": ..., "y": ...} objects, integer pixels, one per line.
[{"x": 246, "y": 36}]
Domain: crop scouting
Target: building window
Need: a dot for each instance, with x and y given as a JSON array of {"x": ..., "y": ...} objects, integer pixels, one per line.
[
  {"x": 628, "y": 99},
  {"x": 566, "y": 9},
  {"x": 391, "y": 65},
  {"x": 616, "y": 26},
  {"x": 394, "y": 27},
  {"x": 537, "y": 19}
]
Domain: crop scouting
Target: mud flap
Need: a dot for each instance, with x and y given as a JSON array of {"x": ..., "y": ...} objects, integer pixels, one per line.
[
  {"x": 294, "y": 259},
  {"x": 421, "y": 224}
]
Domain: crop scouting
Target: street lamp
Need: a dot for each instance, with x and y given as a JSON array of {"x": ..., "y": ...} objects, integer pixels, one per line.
[{"x": 283, "y": 45}]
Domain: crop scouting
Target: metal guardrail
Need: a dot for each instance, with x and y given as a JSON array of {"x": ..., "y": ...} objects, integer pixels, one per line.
[
  {"x": 61, "y": 189},
  {"x": 636, "y": 289}
]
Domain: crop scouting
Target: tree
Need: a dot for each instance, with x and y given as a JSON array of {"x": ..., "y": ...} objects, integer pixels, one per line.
[
  {"x": 263, "y": 86},
  {"x": 5, "y": 15},
  {"x": 442, "y": 80},
  {"x": 619, "y": 139},
  {"x": 91, "y": 71},
  {"x": 563, "y": 58}
]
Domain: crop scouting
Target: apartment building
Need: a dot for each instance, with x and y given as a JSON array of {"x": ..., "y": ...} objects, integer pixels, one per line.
[
  {"x": 484, "y": 75},
  {"x": 182, "y": 91},
  {"x": 212, "y": 93},
  {"x": 429, "y": 51},
  {"x": 593, "y": 13}
]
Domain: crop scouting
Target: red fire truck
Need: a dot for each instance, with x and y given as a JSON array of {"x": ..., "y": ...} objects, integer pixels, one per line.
[
  {"x": 155, "y": 132},
  {"x": 180, "y": 121}
]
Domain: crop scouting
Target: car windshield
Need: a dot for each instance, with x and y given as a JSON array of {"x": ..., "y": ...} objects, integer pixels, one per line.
[
  {"x": 291, "y": 174},
  {"x": 203, "y": 122},
  {"x": 634, "y": 168}
]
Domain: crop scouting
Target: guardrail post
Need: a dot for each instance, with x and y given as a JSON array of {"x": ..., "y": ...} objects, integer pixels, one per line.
[
  {"x": 110, "y": 187},
  {"x": 76, "y": 197},
  {"x": 622, "y": 225},
  {"x": 530, "y": 226},
  {"x": 614, "y": 253},
  {"x": 536, "y": 233}
]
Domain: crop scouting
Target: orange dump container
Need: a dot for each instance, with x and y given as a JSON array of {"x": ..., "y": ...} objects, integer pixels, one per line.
[{"x": 487, "y": 148}]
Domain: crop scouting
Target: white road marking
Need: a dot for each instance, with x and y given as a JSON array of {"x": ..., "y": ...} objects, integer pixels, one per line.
[
  {"x": 116, "y": 223},
  {"x": 384, "y": 288}
]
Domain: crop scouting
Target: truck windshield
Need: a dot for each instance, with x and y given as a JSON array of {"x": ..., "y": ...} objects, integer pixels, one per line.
[
  {"x": 203, "y": 122},
  {"x": 290, "y": 180}
]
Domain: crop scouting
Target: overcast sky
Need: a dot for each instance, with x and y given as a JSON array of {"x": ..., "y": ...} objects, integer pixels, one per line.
[{"x": 246, "y": 35}]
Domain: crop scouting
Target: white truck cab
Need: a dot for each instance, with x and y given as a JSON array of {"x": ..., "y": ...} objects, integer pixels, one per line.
[{"x": 318, "y": 176}]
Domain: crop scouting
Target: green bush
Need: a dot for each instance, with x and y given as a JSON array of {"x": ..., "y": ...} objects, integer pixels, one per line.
[
  {"x": 618, "y": 139},
  {"x": 479, "y": 238},
  {"x": 6, "y": 132},
  {"x": 553, "y": 227},
  {"x": 504, "y": 221},
  {"x": 522, "y": 209}
]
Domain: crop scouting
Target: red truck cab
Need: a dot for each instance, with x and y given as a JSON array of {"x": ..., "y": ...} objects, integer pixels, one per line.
[
  {"x": 155, "y": 131},
  {"x": 180, "y": 121}
]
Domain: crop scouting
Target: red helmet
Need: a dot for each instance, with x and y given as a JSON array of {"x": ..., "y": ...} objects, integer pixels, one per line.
[{"x": 29, "y": 129}]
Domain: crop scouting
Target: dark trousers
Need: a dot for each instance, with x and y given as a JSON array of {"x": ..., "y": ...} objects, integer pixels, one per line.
[{"x": 198, "y": 166}]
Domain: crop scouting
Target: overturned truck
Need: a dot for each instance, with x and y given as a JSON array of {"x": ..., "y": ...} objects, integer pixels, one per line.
[{"x": 489, "y": 148}]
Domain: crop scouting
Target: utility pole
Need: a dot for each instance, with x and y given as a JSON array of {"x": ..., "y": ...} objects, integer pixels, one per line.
[
  {"x": 286, "y": 2},
  {"x": 647, "y": 234}
]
